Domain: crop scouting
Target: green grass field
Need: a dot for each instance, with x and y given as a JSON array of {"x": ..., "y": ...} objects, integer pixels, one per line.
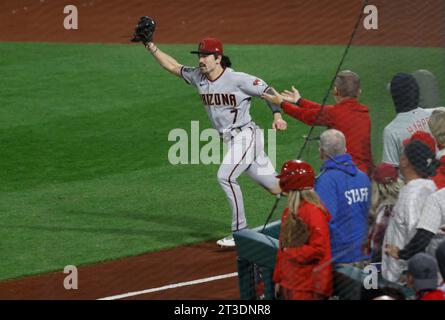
[{"x": 83, "y": 135}]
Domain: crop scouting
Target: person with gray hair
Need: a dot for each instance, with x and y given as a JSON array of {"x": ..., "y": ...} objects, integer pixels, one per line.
[
  {"x": 346, "y": 193},
  {"x": 332, "y": 142}
]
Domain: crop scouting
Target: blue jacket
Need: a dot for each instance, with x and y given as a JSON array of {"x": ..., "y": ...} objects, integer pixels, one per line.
[{"x": 346, "y": 193}]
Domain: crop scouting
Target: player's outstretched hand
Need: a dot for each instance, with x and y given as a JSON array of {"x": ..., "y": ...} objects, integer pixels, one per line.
[
  {"x": 274, "y": 98},
  {"x": 291, "y": 96}
]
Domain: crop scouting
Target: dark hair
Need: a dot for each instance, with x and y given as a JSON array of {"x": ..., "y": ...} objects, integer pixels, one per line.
[
  {"x": 405, "y": 92},
  {"x": 347, "y": 84},
  {"x": 225, "y": 62},
  {"x": 421, "y": 158}
]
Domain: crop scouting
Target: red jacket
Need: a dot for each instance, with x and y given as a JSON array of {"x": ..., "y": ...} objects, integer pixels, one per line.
[
  {"x": 349, "y": 117},
  {"x": 307, "y": 268},
  {"x": 439, "y": 178},
  {"x": 433, "y": 295}
]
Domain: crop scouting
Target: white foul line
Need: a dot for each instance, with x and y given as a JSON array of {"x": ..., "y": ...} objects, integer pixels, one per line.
[{"x": 171, "y": 286}]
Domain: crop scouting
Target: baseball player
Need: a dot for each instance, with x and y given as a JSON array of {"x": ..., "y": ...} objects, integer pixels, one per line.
[{"x": 226, "y": 96}]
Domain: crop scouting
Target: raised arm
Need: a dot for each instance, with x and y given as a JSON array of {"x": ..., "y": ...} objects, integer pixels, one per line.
[
  {"x": 166, "y": 61},
  {"x": 308, "y": 114}
]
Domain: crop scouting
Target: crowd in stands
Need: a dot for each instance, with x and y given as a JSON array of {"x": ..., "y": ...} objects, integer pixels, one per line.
[{"x": 390, "y": 215}]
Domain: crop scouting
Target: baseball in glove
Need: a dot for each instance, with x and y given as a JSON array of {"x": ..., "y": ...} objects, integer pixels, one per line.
[
  {"x": 295, "y": 232},
  {"x": 144, "y": 30}
]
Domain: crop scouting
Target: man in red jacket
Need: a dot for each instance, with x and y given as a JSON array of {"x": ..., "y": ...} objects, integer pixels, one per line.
[{"x": 347, "y": 115}]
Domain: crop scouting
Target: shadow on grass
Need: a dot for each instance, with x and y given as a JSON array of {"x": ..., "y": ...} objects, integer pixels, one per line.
[
  {"x": 169, "y": 236},
  {"x": 169, "y": 219}
]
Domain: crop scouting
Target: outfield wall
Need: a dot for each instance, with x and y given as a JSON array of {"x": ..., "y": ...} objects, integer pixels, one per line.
[{"x": 400, "y": 22}]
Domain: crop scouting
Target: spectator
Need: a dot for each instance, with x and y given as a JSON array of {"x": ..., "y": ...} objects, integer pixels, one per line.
[
  {"x": 430, "y": 229},
  {"x": 440, "y": 256},
  {"x": 303, "y": 270},
  {"x": 416, "y": 165},
  {"x": 347, "y": 115},
  {"x": 430, "y": 219},
  {"x": 409, "y": 119},
  {"x": 437, "y": 127},
  {"x": 429, "y": 96},
  {"x": 422, "y": 277},
  {"x": 385, "y": 191},
  {"x": 346, "y": 192}
]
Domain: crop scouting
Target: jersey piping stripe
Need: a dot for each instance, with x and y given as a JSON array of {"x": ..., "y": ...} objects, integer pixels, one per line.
[
  {"x": 182, "y": 76},
  {"x": 218, "y": 76},
  {"x": 230, "y": 183}
]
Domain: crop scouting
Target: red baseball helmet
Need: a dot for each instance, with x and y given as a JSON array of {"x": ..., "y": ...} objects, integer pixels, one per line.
[
  {"x": 296, "y": 175},
  {"x": 424, "y": 137}
]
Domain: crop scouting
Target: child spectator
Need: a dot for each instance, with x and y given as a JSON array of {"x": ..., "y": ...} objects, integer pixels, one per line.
[
  {"x": 385, "y": 191},
  {"x": 303, "y": 268}
]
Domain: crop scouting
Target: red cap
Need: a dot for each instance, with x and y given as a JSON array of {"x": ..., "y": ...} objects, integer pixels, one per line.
[
  {"x": 385, "y": 173},
  {"x": 209, "y": 46},
  {"x": 424, "y": 137},
  {"x": 296, "y": 175}
]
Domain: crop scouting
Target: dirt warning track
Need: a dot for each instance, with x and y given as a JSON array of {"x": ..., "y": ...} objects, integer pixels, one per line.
[
  {"x": 201, "y": 271},
  {"x": 400, "y": 22}
]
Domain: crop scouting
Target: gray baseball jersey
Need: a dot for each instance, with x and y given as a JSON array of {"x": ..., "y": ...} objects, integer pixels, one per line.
[
  {"x": 402, "y": 127},
  {"x": 226, "y": 99},
  {"x": 227, "y": 102}
]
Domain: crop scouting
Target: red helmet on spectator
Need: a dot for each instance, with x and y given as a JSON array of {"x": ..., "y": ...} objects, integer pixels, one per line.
[
  {"x": 424, "y": 137},
  {"x": 296, "y": 175}
]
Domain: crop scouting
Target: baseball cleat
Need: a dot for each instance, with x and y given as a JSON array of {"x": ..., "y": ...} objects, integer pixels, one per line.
[{"x": 226, "y": 242}]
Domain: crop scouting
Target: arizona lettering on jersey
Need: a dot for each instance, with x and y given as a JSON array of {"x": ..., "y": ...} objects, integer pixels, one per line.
[
  {"x": 218, "y": 99},
  {"x": 226, "y": 99}
]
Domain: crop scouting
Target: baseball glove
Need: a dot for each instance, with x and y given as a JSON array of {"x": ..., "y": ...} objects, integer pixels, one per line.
[
  {"x": 295, "y": 232},
  {"x": 144, "y": 31}
]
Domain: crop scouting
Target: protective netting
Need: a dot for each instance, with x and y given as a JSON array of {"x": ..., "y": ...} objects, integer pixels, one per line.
[
  {"x": 373, "y": 70},
  {"x": 400, "y": 70}
]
